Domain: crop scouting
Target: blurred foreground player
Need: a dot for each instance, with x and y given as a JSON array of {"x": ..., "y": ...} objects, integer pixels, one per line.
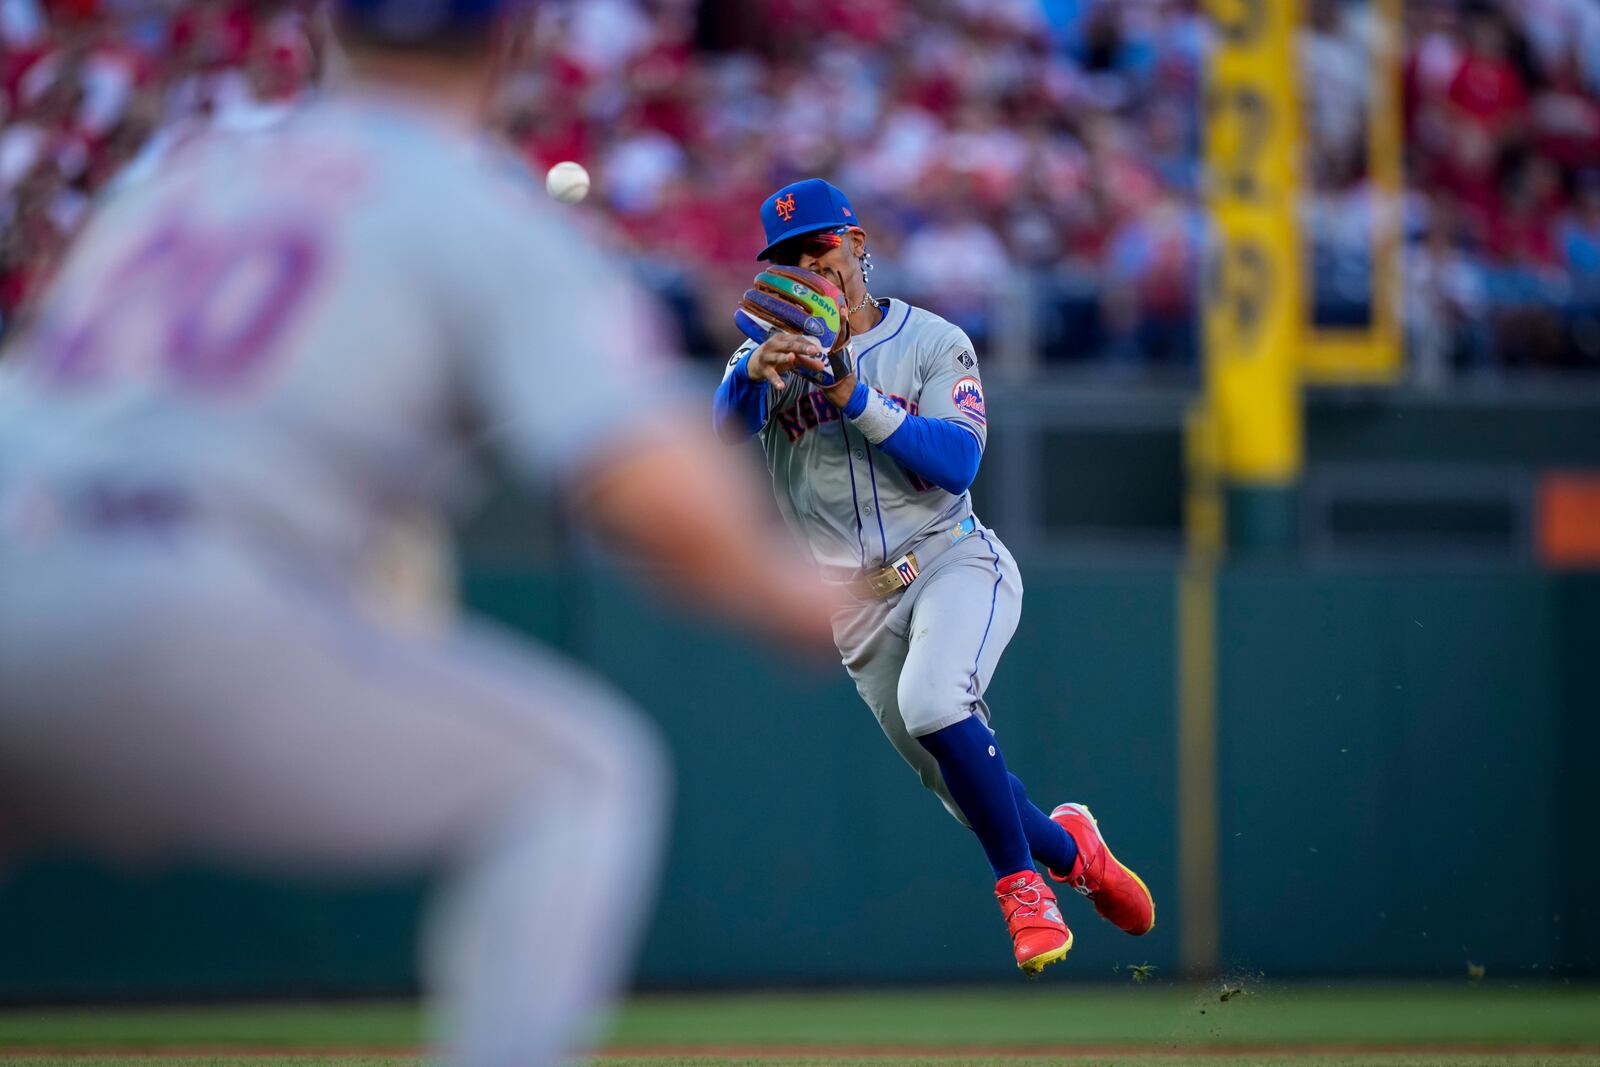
[
  {"x": 872, "y": 453},
  {"x": 246, "y": 366}
]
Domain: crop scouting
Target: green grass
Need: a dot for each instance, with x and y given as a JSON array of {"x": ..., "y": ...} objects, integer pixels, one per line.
[
  {"x": 1129, "y": 1025},
  {"x": 243, "y": 1026},
  {"x": 1041, "y": 1014}
]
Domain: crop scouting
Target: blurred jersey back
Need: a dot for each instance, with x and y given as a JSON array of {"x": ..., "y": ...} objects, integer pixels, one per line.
[{"x": 290, "y": 333}]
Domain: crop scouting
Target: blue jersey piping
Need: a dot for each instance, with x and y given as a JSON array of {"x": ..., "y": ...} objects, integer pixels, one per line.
[
  {"x": 886, "y": 340},
  {"x": 994, "y": 594},
  {"x": 877, "y": 507},
  {"x": 855, "y": 502}
]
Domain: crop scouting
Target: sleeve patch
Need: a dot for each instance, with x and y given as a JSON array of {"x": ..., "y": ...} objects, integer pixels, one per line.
[
  {"x": 968, "y": 397},
  {"x": 966, "y": 359}
]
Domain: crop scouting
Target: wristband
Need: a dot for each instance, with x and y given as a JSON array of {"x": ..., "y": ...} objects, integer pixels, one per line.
[{"x": 876, "y": 418}]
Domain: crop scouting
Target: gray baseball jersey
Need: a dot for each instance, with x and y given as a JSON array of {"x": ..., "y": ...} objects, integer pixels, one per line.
[
  {"x": 856, "y": 507},
  {"x": 922, "y": 658},
  {"x": 297, "y": 330},
  {"x": 247, "y": 365}
]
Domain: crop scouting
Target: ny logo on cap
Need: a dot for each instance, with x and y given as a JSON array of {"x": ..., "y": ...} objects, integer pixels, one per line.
[{"x": 786, "y": 207}]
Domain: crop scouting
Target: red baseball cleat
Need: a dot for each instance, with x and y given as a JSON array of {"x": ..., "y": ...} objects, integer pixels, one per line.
[
  {"x": 1038, "y": 936},
  {"x": 1119, "y": 895}
]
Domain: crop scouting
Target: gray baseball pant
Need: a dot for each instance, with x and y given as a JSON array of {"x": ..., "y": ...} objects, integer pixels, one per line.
[
  {"x": 176, "y": 695},
  {"x": 922, "y": 658}
]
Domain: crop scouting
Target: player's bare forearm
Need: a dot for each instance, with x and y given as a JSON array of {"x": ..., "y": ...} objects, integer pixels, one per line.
[
  {"x": 838, "y": 393},
  {"x": 682, "y": 501}
]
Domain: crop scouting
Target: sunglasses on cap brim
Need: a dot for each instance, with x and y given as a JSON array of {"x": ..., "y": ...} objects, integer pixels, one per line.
[{"x": 820, "y": 243}]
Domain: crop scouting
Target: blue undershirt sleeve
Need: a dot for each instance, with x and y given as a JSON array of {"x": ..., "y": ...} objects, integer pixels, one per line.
[
  {"x": 739, "y": 409},
  {"x": 858, "y": 400},
  {"x": 939, "y": 450}
]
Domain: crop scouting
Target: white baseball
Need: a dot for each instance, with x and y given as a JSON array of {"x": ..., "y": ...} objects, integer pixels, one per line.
[{"x": 568, "y": 182}]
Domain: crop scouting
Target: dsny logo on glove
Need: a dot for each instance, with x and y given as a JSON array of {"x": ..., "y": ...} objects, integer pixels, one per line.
[{"x": 799, "y": 301}]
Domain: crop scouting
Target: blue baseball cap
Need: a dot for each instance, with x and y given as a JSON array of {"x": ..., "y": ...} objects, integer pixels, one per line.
[{"x": 802, "y": 208}]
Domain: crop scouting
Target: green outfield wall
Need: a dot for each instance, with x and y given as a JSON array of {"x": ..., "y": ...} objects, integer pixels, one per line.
[{"x": 1408, "y": 783}]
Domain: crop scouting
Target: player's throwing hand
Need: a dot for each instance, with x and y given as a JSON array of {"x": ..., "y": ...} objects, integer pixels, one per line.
[{"x": 779, "y": 354}]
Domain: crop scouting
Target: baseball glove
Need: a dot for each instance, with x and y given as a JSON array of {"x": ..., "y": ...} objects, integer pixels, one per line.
[{"x": 798, "y": 301}]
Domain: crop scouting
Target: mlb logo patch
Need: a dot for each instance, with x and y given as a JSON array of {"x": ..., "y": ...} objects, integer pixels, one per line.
[{"x": 968, "y": 397}]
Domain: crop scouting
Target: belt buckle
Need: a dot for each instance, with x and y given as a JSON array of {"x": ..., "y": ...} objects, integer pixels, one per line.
[{"x": 896, "y": 576}]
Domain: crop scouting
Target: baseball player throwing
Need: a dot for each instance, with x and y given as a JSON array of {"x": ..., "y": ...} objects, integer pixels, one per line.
[
  {"x": 873, "y": 424},
  {"x": 247, "y": 366}
]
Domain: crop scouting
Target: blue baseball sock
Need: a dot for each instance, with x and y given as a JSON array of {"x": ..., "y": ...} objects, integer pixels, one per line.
[
  {"x": 975, "y": 773},
  {"x": 1050, "y": 844}
]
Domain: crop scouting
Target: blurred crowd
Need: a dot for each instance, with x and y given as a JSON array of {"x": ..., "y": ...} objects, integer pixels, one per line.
[
  {"x": 88, "y": 86},
  {"x": 1029, "y": 168},
  {"x": 1503, "y": 129},
  {"x": 1020, "y": 165}
]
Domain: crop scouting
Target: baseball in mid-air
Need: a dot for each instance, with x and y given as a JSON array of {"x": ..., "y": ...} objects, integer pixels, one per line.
[{"x": 568, "y": 182}]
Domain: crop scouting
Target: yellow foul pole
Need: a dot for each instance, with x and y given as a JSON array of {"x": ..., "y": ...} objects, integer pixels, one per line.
[
  {"x": 1244, "y": 437},
  {"x": 1255, "y": 304}
]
